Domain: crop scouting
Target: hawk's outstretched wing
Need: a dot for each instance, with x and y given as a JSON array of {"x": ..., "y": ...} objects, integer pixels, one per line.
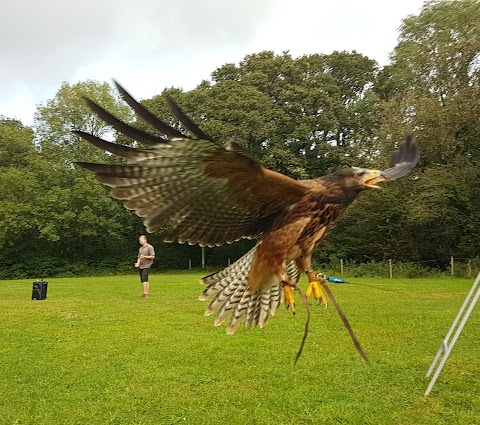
[{"x": 205, "y": 193}]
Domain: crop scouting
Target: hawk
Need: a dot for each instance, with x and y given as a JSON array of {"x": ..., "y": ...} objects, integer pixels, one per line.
[{"x": 211, "y": 195}]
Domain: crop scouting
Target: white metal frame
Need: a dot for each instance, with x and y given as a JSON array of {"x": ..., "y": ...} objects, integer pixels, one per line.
[{"x": 447, "y": 347}]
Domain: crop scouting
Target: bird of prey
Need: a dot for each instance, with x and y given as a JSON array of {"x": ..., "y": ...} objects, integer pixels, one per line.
[{"x": 210, "y": 195}]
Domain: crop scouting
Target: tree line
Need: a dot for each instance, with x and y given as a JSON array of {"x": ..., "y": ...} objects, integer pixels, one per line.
[{"x": 304, "y": 117}]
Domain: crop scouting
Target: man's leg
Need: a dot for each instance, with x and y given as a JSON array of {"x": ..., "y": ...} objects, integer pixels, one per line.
[
  {"x": 145, "y": 288},
  {"x": 145, "y": 284}
]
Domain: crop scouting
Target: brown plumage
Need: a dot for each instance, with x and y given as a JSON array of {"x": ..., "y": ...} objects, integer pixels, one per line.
[{"x": 210, "y": 195}]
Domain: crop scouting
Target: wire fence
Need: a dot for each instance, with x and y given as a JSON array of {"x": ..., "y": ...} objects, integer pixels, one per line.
[
  {"x": 447, "y": 266},
  {"x": 451, "y": 266}
]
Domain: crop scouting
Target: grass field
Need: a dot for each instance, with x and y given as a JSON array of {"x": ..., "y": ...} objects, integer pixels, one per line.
[{"x": 95, "y": 352}]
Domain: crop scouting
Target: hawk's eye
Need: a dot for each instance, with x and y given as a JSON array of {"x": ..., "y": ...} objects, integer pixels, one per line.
[{"x": 360, "y": 173}]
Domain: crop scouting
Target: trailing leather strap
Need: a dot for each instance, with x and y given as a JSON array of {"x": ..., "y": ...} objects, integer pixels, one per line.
[
  {"x": 307, "y": 323},
  {"x": 344, "y": 320}
]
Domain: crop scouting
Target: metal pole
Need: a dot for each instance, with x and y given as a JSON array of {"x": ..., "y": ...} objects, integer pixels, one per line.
[
  {"x": 341, "y": 267},
  {"x": 451, "y": 265},
  {"x": 390, "y": 267},
  {"x": 447, "y": 348},
  {"x": 203, "y": 257},
  {"x": 444, "y": 345}
]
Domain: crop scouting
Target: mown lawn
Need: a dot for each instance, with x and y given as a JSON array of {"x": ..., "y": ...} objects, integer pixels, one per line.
[{"x": 95, "y": 352}]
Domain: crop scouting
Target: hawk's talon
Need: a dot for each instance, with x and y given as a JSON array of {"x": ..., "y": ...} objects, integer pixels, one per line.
[
  {"x": 314, "y": 288},
  {"x": 289, "y": 298},
  {"x": 322, "y": 302}
]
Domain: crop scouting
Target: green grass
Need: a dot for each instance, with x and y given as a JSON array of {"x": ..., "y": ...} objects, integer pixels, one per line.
[{"x": 94, "y": 352}]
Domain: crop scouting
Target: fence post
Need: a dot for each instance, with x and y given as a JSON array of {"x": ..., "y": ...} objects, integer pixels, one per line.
[
  {"x": 390, "y": 268},
  {"x": 203, "y": 257},
  {"x": 341, "y": 267},
  {"x": 451, "y": 265},
  {"x": 189, "y": 264}
]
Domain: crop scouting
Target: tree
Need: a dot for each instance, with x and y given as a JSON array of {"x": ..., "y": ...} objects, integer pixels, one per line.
[
  {"x": 55, "y": 215},
  {"x": 430, "y": 88},
  {"x": 17, "y": 180},
  {"x": 16, "y": 142},
  {"x": 55, "y": 120},
  {"x": 304, "y": 117},
  {"x": 434, "y": 78}
]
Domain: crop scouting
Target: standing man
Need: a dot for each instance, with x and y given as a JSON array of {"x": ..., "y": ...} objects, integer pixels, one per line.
[{"x": 146, "y": 255}]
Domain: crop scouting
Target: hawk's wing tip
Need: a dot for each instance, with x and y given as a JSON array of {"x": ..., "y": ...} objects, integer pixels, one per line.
[{"x": 403, "y": 159}]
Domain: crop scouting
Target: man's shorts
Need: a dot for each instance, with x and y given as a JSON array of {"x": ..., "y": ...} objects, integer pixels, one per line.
[{"x": 144, "y": 274}]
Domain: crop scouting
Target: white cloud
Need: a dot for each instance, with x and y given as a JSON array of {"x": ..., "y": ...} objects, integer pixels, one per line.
[{"x": 150, "y": 44}]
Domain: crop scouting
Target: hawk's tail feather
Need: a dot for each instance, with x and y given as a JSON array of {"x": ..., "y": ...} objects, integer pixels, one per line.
[{"x": 229, "y": 287}]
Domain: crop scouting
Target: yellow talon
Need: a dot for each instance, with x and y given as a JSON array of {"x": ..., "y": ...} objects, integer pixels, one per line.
[
  {"x": 289, "y": 298},
  {"x": 314, "y": 287}
]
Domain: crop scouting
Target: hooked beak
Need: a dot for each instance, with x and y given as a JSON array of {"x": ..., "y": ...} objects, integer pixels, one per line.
[{"x": 372, "y": 180}]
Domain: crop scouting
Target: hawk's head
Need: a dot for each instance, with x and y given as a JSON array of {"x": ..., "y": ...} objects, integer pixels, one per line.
[
  {"x": 367, "y": 179},
  {"x": 355, "y": 179},
  {"x": 403, "y": 160}
]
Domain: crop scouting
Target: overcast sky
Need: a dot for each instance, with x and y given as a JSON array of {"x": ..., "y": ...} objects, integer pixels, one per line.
[{"x": 151, "y": 44}]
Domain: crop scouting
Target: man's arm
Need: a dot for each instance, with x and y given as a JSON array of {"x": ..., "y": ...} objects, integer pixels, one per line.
[{"x": 137, "y": 264}]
